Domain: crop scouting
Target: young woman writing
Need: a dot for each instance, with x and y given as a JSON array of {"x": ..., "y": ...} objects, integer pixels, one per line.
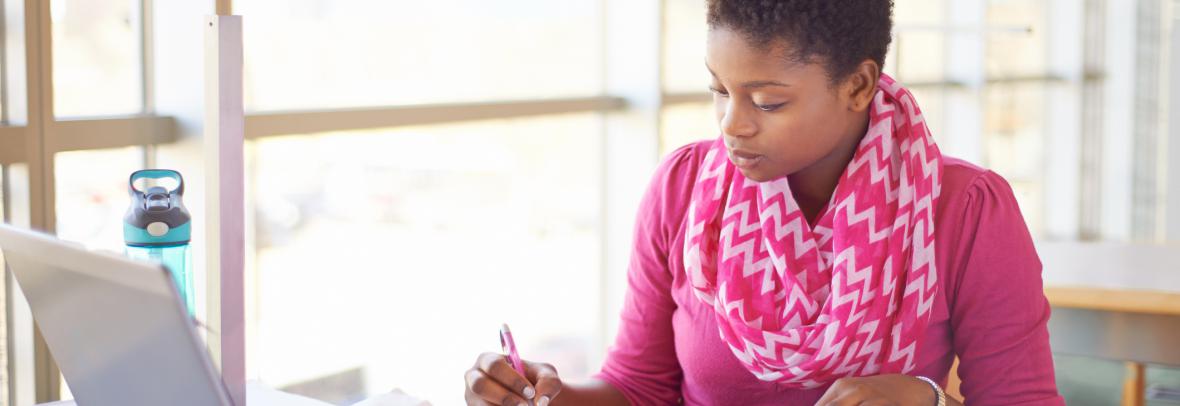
[{"x": 821, "y": 250}]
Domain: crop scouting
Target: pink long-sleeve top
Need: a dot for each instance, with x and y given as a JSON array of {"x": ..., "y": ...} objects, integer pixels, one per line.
[{"x": 991, "y": 311}]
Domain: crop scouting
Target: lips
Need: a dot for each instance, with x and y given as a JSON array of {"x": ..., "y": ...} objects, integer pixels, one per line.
[{"x": 743, "y": 159}]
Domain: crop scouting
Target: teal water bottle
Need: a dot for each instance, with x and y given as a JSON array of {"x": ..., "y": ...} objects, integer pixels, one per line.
[{"x": 158, "y": 228}]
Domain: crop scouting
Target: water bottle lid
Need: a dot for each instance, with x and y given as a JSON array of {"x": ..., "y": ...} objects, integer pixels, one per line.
[{"x": 156, "y": 216}]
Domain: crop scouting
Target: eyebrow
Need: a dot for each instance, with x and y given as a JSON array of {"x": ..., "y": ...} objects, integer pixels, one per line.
[{"x": 754, "y": 84}]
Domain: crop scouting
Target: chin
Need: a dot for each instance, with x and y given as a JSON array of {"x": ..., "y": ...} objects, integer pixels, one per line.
[{"x": 756, "y": 176}]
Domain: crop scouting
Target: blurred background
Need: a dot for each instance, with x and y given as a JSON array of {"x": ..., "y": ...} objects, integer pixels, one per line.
[{"x": 500, "y": 178}]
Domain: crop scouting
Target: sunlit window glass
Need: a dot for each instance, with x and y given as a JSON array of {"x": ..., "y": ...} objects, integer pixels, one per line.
[
  {"x": 390, "y": 257},
  {"x": 1015, "y": 140},
  {"x": 332, "y": 54},
  {"x": 92, "y": 195},
  {"x": 684, "y": 46},
  {"x": 684, "y": 123},
  {"x": 96, "y": 58}
]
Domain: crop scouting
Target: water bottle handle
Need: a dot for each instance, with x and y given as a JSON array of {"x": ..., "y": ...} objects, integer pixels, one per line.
[{"x": 157, "y": 174}]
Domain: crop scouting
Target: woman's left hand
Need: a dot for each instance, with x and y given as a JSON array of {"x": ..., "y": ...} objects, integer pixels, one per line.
[{"x": 879, "y": 390}]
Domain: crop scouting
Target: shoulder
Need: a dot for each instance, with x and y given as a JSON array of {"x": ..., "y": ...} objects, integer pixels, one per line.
[
  {"x": 684, "y": 161},
  {"x": 968, "y": 186},
  {"x": 677, "y": 172},
  {"x": 670, "y": 190},
  {"x": 980, "y": 231}
]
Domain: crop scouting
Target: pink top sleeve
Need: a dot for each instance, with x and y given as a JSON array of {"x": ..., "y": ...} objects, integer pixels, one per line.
[
  {"x": 643, "y": 364},
  {"x": 998, "y": 307},
  {"x": 992, "y": 312}
]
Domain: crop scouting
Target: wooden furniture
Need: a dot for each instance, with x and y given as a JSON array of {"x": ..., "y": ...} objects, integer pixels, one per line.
[{"x": 1115, "y": 301}]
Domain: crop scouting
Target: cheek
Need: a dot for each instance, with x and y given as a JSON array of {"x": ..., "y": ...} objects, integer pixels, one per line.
[{"x": 806, "y": 134}]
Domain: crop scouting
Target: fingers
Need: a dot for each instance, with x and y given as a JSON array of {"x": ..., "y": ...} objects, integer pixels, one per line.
[
  {"x": 548, "y": 384},
  {"x": 474, "y": 400},
  {"x": 844, "y": 392},
  {"x": 494, "y": 367},
  {"x": 483, "y": 389},
  {"x": 497, "y": 367}
]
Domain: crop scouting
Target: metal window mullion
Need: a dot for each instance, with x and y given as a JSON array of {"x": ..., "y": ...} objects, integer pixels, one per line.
[
  {"x": 104, "y": 133},
  {"x": 224, "y": 7},
  {"x": 5, "y": 210},
  {"x": 3, "y": 64},
  {"x": 267, "y": 124},
  {"x": 39, "y": 155},
  {"x": 149, "y": 129},
  {"x": 1146, "y": 129},
  {"x": 1093, "y": 110}
]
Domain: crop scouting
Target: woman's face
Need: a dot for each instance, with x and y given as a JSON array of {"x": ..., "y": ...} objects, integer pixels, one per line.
[{"x": 777, "y": 117}]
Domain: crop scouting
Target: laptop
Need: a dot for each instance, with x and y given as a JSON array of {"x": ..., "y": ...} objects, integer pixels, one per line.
[{"x": 117, "y": 328}]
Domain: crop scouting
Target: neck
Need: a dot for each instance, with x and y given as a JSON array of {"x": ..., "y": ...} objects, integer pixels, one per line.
[{"x": 813, "y": 186}]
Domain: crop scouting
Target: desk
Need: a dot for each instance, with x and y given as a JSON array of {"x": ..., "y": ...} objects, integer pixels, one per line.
[{"x": 1115, "y": 301}]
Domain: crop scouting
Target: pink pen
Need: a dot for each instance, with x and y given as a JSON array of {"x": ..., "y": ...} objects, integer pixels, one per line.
[{"x": 510, "y": 350}]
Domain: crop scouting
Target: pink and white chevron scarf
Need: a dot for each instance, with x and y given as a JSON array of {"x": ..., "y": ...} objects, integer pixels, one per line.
[{"x": 852, "y": 296}]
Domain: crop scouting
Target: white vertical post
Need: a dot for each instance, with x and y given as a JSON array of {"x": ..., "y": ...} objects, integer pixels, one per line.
[
  {"x": 1172, "y": 205},
  {"x": 1118, "y": 120},
  {"x": 632, "y": 52},
  {"x": 225, "y": 204},
  {"x": 1064, "y": 134}
]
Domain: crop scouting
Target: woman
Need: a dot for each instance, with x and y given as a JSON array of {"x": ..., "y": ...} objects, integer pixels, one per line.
[{"x": 821, "y": 250}]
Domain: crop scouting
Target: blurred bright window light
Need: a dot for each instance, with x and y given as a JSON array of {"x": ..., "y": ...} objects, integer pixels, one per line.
[
  {"x": 96, "y": 57},
  {"x": 397, "y": 253},
  {"x": 306, "y": 54}
]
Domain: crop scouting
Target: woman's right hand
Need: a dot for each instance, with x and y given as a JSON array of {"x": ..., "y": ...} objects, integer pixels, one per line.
[{"x": 492, "y": 381}]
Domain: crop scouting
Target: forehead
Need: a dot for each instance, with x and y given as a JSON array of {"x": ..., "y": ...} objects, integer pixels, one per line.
[{"x": 731, "y": 56}]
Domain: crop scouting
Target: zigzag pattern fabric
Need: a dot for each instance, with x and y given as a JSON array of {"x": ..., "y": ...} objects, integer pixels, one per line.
[{"x": 801, "y": 306}]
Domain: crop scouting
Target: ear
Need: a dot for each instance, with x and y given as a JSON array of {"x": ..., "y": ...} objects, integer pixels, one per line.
[{"x": 861, "y": 85}]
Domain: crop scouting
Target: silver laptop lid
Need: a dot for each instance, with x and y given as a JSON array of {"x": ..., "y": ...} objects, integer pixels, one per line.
[{"x": 117, "y": 328}]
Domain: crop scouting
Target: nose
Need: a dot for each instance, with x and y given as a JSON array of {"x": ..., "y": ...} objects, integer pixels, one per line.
[{"x": 736, "y": 121}]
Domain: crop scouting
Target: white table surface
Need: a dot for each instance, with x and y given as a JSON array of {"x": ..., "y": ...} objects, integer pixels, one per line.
[{"x": 256, "y": 395}]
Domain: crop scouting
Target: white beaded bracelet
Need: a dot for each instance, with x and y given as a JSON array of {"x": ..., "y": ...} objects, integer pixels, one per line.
[{"x": 937, "y": 390}]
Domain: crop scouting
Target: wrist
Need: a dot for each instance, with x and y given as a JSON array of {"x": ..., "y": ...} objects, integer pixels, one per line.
[{"x": 939, "y": 394}]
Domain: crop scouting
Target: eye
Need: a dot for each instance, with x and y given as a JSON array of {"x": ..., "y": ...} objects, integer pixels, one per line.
[
  {"x": 768, "y": 107},
  {"x": 718, "y": 92}
]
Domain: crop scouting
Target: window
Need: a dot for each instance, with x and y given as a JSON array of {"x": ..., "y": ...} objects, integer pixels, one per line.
[
  {"x": 685, "y": 32},
  {"x": 917, "y": 53},
  {"x": 331, "y": 54},
  {"x": 398, "y": 252},
  {"x": 92, "y": 195},
  {"x": 685, "y": 123},
  {"x": 684, "y": 73},
  {"x": 1014, "y": 132},
  {"x": 96, "y": 57}
]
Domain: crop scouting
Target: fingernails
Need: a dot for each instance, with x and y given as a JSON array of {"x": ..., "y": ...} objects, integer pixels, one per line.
[
  {"x": 529, "y": 392},
  {"x": 544, "y": 401}
]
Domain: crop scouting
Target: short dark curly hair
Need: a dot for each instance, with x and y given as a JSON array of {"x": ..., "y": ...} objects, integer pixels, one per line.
[{"x": 842, "y": 32}]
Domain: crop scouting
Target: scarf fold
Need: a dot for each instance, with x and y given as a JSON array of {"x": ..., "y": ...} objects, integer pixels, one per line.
[{"x": 804, "y": 306}]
